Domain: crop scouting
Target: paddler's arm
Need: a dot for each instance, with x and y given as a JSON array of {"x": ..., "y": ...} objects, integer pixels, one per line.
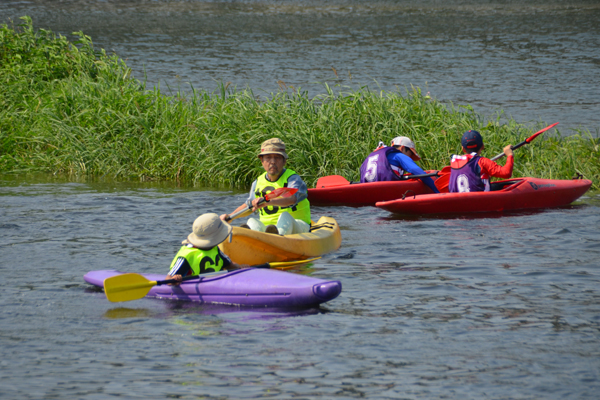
[
  {"x": 294, "y": 182},
  {"x": 490, "y": 167},
  {"x": 228, "y": 264},
  {"x": 181, "y": 268},
  {"x": 244, "y": 206},
  {"x": 233, "y": 266},
  {"x": 408, "y": 165},
  {"x": 224, "y": 217},
  {"x": 280, "y": 202}
]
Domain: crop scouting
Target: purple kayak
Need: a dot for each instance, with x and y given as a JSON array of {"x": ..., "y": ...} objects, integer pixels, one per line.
[{"x": 250, "y": 287}]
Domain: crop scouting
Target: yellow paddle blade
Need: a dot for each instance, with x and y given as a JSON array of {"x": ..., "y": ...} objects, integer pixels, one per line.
[
  {"x": 127, "y": 287},
  {"x": 283, "y": 265}
]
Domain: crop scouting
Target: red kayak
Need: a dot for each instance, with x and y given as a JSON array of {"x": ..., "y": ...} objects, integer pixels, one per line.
[
  {"x": 506, "y": 195},
  {"x": 335, "y": 190}
]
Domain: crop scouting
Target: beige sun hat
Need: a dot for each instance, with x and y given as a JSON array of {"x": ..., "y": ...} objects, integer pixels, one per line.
[
  {"x": 273, "y": 146},
  {"x": 406, "y": 142},
  {"x": 208, "y": 231}
]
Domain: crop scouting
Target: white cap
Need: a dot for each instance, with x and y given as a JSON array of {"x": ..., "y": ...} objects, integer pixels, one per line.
[{"x": 406, "y": 142}]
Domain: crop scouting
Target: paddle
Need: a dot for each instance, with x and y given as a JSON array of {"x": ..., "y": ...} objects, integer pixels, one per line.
[
  {"x": 526, "y": 141},
  {"x": 444, "y": 180},
  {"x": 126, "y": 287},
  {"x": 281, "y": 192},
  {"x": 436, "y": 173}
]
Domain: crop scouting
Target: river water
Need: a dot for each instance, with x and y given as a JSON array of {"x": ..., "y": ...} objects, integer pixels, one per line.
[
  {"x": 495, "y": 306},
  {"x": 537, "y": 60}
]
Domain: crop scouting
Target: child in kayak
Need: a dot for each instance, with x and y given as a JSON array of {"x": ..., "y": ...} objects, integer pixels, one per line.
[
  {"x": 471, "y": 172},
  {"x": 200, "y": 252},
  {"x": 391, "y": 163}
]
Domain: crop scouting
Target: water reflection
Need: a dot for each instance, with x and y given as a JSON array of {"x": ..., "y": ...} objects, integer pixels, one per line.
[{"x": 175, "y": 309}]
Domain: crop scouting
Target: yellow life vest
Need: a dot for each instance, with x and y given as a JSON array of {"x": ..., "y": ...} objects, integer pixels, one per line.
[
  {"x": 270, "y": 214},
  {"x": 201, "y": 261}
]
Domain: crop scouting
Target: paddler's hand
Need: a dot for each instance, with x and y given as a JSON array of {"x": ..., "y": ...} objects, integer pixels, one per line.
[
  {"x": 234, "y": 266},
  {"x": 256, "y": 206},
  {"x": 224, "y": 217},
  {"x": 175, "y": 277},
  {"x": 508, "y": 150}
]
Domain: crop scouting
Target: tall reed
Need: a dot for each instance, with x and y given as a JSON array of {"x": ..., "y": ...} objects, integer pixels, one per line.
[{"x": 66, "y": 108}]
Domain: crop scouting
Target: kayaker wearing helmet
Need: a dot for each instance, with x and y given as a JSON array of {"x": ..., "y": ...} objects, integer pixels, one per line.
[
  {"x": 471, "y": 172},
  {"x": 390, "y": 163},
  {"x": 284, "y": 215},
  {"x": 200, "y": 252}
]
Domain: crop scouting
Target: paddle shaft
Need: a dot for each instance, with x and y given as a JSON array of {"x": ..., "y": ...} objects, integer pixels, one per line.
[
  {"x": 526, "y": 141},
  {"x": 185, "y": 278},
  {"x": 275, "y": 264},
  {"x": 281, "y": 192},
  {"x": 437, "y": 173},
  {"x": 245, "y": 211},
  {"x": 188, "y": 278}
]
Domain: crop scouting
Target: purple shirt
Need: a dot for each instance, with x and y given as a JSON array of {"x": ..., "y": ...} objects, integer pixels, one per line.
[
  {"x": 389, "y": 164},
  {"x": 376, "y": 167},
  {"x": 467, "y": 177}
]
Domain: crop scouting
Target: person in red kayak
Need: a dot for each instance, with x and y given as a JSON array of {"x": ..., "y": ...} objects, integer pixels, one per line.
[
  {"x": 391, "y": 163},
  {"x": 200, "y": 252},
  {"x": 471, "y": 172}
]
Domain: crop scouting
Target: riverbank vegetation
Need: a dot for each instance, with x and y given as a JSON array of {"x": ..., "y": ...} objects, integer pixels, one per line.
[{"x": 67, "y": 108}]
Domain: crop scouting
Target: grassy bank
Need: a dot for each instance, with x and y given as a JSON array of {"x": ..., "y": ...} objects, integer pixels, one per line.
[{"x": 67, "y": 108}]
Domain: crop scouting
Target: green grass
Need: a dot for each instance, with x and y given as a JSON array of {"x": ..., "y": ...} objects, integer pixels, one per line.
[{"x": 66, "y": 108}]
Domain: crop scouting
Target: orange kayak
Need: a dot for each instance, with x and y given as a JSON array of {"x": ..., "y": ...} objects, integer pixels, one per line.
[{"x": 252, "y": 247}]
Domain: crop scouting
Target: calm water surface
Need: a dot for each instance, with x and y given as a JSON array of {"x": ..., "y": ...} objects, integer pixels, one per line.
[
  {"x": 538, "y": 60},
  {"x": 496, "y": 307}
]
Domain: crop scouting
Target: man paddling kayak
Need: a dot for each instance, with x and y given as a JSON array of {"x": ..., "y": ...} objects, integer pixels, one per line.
[
  {"x": 284, "y": 215},
  {"x": 200, "y": 252},
  {"x": 390, "y": 163},
  {"x": 471, "y": 172}
]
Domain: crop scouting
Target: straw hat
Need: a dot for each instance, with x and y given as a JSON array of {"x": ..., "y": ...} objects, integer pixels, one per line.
[
  {"x": 273, "y": 146},
  {"x": 208, "y": 231}
]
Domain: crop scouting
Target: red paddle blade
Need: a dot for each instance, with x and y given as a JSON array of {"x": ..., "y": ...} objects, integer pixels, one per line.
[
  {"x": 530, "y": 138},
  {"x": 331, "y": 180},
  {"x": 281, "y": 192}
]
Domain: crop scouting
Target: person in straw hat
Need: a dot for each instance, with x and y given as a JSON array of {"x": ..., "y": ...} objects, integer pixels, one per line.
[
  {"x": 390, "y": 163},
  {"x": 200, "y": 252},
  {"x": 284, "y": 215}
]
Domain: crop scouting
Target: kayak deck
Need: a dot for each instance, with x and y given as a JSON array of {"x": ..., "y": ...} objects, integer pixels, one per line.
[
  {"x": 512, "y": 194},
  {"x": 337, "y": 191},
  {"x": 248, "y": 287},
  {"x": 252, "y": 247}
]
